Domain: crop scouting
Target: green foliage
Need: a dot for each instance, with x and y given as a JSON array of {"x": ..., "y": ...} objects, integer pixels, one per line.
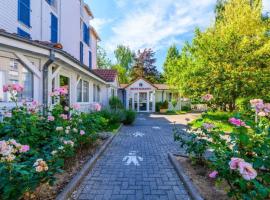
[
  {"x": 219, "y": 119},
  {"x": 115, "y": 103},
  {"x": 164, "y": 105},
  {"x": 242, "y": 104},
  {"x": 229, "y": 60},
  {"x": 124, "y": 56},
  {"x": 130, "y": 117},
  {"x": 249, "y": 142},
  {"x": 122, "y": 73},
  {"x": 51, "y": 140},
  {"x": 103, "y": 62}
]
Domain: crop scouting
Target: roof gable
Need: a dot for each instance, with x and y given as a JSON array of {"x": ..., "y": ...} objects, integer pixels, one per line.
[{"x": 140, "y": 83}]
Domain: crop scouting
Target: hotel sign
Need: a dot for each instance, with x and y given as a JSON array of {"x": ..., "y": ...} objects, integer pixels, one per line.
[{"x": 140, "y": 88}]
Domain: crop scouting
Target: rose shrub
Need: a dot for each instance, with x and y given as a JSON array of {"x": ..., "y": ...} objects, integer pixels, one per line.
[
  {"x": 34, "y": 146},
  {"x": 241, "y": 157}
]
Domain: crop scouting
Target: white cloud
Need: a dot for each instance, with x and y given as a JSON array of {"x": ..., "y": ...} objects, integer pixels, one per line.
[
  {"x": 266, "y": 5},
  {"x": 158, "y": 23},
  {"x": 99, "y": 23}
]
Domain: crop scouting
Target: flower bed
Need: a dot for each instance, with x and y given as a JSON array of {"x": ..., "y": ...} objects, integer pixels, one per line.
[
  {"x": 34, "y": 146},
  {"x": 241, "y": 158}
]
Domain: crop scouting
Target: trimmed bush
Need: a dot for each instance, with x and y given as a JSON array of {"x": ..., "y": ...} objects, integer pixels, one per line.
[
  {"x": 115, "y": 103},
  {"x": 130, "y": 117}
]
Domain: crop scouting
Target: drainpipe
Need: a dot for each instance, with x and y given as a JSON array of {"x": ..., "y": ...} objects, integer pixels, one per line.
[{"x": 45, "y": 79}]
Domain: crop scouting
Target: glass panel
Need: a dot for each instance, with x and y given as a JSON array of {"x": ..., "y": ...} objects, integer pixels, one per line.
[
  {"x": 27, "y": 81},
  {"x": 79, "y": 91},
  {"x": 94, "y": 93},
  {"x": 136, "y": 101},
  {"x": 85, "y": 91},
  {"x": 143, "y": 101},
  {"x": 151, "y": 98}
]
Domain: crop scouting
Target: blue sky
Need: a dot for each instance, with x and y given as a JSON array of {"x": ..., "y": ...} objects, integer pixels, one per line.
[{"x": 155, "y": 24}]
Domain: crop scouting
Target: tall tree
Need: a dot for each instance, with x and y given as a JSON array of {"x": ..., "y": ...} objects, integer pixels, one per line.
[
  {"x": 144, "y": 66},
  {"x": 124, "y": 56},
  {"x": 170, "y": 63},
  {"x": 122, "y": 73},
  {"x": 231, "y": 59},
  {"x": 103, "y": 62}
]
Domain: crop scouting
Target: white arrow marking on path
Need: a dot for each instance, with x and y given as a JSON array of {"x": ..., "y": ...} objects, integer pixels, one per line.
[
  {"x": 132, "y": 158},
  {"x": 138, "y": 134},
  {"x": 156, "y": 127}
]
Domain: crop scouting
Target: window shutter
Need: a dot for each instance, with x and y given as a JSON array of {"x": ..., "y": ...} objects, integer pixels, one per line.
[
  {"x": 85, "y": 34},
  {"x": 22, "y": 33},
  {"x": 90, "y": 59},
  {"x": 54, "y": 28},
  {"x": 24, "y": 12},
  {"x": 81, "y": 52}
]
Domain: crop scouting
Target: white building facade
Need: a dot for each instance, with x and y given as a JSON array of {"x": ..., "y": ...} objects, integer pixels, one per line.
[
  {"x": 53, "y": 46},
  {"x": 142, "y": 96},
  {"x": 55, "y": 21}
]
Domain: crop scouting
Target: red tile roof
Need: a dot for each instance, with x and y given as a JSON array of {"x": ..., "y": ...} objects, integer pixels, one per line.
[{"x": 109, "y": 75}]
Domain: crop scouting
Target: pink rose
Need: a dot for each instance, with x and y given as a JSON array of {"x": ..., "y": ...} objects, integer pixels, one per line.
[
  {"x": 5, "y": 88},
  {"x": 213, "y": 174},
  {"x": 237, "y": 122},
  {"x": 247, "y": 171},
  {"x": 24, "y": 148},
  {"x": 65, "y": 117},
  {"x": 254, "y": 102},
  {"x": 17, "y": 87},
  {"x": 234, "y": 163},
  {"x": 50, "y": 118},
  {"x": 82, "y": 132},
  {"x": 262, "y": 114}
]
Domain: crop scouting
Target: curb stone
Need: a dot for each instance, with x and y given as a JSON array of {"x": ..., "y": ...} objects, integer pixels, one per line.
[
  {"x": 191, "y": 188},
  {"x": 78, "y": 178}
]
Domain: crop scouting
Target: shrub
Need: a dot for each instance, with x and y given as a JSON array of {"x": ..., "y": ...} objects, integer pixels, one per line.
[
  {"x": 164, "y": 105},
  {"x": 241, "y": 158},
  {"x": 158, "y": 106},
  {"x": 34, "y": 147},
  {"x": 130, "y": 117},
  {"x": 115, "y": 103},
  {"x": 113, "y": 116},
  {"x": 242, "y": 104}
]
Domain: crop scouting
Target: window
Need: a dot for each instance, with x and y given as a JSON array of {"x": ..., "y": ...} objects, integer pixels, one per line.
[
  {"x": 90, "y": 59},
  {"x": 24, "y": 12},
  {"x": 96, "y": 93},
  {"x": 54, "y": 29},
  {"x": 81, "y": 52},
  {"x": 83, "y": 91},
  {"x": 79, "y": 91},
  {"x": 85, "y": 34},
  {"x": 11, "y": 71},
  {"x": 22, "y": 33}
]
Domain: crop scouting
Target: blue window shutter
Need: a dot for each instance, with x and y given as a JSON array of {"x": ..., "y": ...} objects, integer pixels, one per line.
[
  {"x": 24, "y": 12},
  {"x": 81, "y": 52},
  {"x": 85, "y": 34},
  {"x": 90, "y": 59},
  {"x": 50, "y": 2},
  {"x": 22, "y": 33},
  {"x": 54, "y": 28}
]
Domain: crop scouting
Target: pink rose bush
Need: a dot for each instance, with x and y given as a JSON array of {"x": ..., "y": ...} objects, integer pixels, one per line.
[
  {"x": 62, "y": 91},
  {"x": 17, "y": 88},
  {"x": 239, "y": 157},
  {"x": 10, "y": 149},
  {"x": 40, "y": 165}
]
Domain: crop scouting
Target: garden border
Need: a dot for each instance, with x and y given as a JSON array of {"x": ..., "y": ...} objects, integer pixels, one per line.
[
  {"x": 190, "y": 187},
  {"x": 78, "y": 178}
]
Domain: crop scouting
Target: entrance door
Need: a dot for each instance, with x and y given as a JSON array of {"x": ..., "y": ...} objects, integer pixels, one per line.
[{"x": 143, "y": 102}]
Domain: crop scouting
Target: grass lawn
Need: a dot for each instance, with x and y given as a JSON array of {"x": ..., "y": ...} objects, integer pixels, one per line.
[
  {"x": 219, "y": 119},
  {"x": 177, "y": 112}
]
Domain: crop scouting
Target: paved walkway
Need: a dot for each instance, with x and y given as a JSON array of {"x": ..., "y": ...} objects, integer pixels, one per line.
[{"x": 136, "y": 165}]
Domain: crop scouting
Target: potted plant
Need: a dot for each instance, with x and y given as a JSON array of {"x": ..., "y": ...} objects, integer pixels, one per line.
[{"x": 164, "y": 107}]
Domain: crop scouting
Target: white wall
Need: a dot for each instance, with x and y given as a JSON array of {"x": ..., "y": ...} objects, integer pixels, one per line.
[
  {"x": 94, "y": 50},
  {"x": 69, "y": 16}
]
